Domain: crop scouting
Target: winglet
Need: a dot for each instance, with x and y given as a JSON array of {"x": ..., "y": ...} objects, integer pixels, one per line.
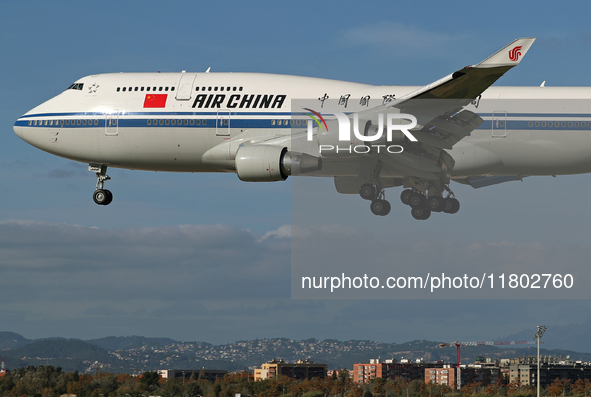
[{"x": 510, "y": 55}]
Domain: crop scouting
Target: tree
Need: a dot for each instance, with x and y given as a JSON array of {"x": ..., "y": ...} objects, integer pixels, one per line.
[
  {"x": 193, "y": 390},
  {"x": 150, "y": 379},
  {"x": 559, "y": 386},
  {"x": 217, "y": 388},
  {"x": 582, "y": 387}
]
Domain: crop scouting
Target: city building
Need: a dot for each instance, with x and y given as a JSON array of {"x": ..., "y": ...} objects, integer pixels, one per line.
[
  {"x": 525, "y": 370},
  {"x": 441, "y": 376},
  {"x": 209, "y": 374},
  {"x": 299, "y": 370},
  {"x": 391, "y": 369},
  {"x": 474, "y": 373}
]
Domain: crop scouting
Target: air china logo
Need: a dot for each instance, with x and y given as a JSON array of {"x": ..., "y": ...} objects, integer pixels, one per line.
[
  {"x": 369, "y": 133},
  {"x": 515, "y": 53}
]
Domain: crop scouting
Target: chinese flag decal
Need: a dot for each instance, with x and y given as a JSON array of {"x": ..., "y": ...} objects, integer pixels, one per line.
[{"x": 155, "y": 100}]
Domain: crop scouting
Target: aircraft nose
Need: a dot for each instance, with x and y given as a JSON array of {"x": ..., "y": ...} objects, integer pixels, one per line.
[{"x": 18, "y": 130}]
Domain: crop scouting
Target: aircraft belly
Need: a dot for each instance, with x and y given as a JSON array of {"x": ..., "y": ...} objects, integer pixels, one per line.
[
  {"x": 531, "y": 152},
  {"x": 550, "y": 153},
  {"x": 179, "y": 150}
]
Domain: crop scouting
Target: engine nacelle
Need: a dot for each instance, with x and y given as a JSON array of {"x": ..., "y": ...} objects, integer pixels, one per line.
[{"x": 269, "y": 163}]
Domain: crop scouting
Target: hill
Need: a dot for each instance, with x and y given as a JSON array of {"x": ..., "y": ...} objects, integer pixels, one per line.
[{"x": 134, "y": 354}]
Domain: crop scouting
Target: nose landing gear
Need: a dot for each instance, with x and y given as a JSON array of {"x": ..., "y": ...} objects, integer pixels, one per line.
[{"x": 101, "y": 195}]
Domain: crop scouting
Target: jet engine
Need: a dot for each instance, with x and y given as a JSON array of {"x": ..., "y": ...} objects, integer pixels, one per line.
[{"x": 269, "y": 163}]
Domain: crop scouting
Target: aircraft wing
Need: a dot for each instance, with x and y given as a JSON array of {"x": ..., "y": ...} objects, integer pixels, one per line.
[
  {"x": 465, "y": 85},
  {"x": 442, "y": 120}
]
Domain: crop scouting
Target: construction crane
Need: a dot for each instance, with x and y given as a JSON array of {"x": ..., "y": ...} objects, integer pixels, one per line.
[{"x": 493, "y": 343}]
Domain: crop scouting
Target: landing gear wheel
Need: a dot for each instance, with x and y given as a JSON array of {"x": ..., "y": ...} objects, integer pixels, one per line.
[
  {"x": 367, "y": 191},
  {"x": 451, "y": 206},
  {"x": 380, "y": 207},
  {"x": 420, "y": 213},
  {"x": 417, "y": 200},
  {"x": 102, "y": 197},
  {"x": 435, "y": 203},
  {"x": 405, "y": 196}
]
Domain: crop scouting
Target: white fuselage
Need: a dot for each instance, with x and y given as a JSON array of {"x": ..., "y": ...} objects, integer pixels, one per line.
[{"x": 195, "y": 122}]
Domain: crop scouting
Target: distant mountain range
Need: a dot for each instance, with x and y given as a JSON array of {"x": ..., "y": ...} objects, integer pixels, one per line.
[
  {"x": 133, "y": 354},
  {"x": 570, "y": 336}
]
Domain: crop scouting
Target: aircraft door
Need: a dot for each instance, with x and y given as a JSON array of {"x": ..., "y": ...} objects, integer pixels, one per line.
[
  {"x": 499, "y": 124},
  {"x": 112, "y": 124},
  {"x": 222, "y": 126},
  {"x": 185, "y": 88}
]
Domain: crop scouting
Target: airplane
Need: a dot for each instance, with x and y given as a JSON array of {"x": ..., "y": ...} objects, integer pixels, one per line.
[{"x": 266, "y": 127}]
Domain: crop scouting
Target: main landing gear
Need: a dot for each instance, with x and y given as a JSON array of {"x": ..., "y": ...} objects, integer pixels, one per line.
[
  {"x": 101, "y": 195},
  {"x": 422, "y": 206},
  {"x": 375, "y": 193}
]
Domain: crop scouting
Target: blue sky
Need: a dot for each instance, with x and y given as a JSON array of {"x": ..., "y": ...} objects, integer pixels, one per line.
[{"x": 204, "y": 257}]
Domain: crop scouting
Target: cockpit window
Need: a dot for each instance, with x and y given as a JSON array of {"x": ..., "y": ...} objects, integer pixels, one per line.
[{"x": 76, "y": 86}]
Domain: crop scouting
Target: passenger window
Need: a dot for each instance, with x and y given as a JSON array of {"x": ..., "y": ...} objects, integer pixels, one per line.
[
  {"x": 172, "y": 88},
  {"x": 141, "y": 89},
  {"x": 167, "y": 122},
  {"x": 550, "y": 124},
  {"x": 204, "y": 122},
  {"x": 30, "y": 122},
  {"x": 124, "y": 88},
  {"x": 173, "y": 122},
  {"x": 240, "y": 89},
  {"x": 563, "y": 124},
  {"x": 161, "y": 122},
  {"x": 192, "y": 122},
  {"x": 149, "y": 122},
  {"x": 273, "y": 122},
  {"x": 165, "y": 88},
  {"x": 537, "y": 123},
  {"x": 118, "y": 89},
  {"x": 570, "y": 124},
  {"x": 159, "y": 88},
  {"x": 185, "y": 122},
  {"x": 136, "y": 88}
]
